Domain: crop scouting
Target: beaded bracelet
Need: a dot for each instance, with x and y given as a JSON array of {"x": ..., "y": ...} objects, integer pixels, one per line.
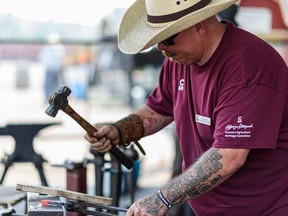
[{"x": 164, "y": 200}]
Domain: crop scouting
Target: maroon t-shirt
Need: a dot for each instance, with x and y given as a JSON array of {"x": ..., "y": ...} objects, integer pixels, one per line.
[{"x": 238, "y": 99}]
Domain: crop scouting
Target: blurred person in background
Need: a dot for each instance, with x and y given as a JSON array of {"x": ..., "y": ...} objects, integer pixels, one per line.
[
  {"x": 52, "y": 56},
  {"x": 227, "y": 92}
]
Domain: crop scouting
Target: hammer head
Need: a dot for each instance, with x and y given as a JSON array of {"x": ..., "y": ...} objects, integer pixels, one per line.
[{"x": 58, "y": 101}]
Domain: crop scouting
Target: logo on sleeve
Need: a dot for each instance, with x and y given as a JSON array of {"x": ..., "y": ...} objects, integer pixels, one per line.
[{"x": 239, "y": 130}]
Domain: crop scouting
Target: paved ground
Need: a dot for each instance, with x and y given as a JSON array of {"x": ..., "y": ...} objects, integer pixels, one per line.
[{"x": 65, "y": 142}]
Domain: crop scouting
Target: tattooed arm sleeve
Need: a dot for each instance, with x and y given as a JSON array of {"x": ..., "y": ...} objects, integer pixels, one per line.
[
  {"x": 152, "y": 120},
  {"x": 210, "y": 170}
]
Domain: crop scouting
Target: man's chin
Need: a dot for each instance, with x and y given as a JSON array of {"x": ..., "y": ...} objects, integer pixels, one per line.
[{"x": 167, "y": 54}]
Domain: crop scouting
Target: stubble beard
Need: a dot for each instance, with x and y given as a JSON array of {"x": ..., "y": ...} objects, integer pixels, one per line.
[{"x": 168, "y": 54}]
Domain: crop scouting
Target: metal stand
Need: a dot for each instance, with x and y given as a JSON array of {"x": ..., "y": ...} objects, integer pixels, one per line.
[
  {"x": 76, "y": 180},
  {"x": 116, "y": 173},
  {"x": 23, "y": 135}
]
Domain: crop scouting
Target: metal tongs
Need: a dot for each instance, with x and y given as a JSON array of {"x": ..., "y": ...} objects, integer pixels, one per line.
[{"x": 82, "y": 207}]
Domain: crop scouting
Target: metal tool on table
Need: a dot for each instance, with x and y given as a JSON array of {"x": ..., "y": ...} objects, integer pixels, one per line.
[
  {"x": 59, "y": 101},
  {"x": 75, "y": 201},
  {"x": 82, "y": 207}
]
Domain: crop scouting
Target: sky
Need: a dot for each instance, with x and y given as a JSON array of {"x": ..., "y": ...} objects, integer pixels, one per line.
[{"x": 87, "y": 12}]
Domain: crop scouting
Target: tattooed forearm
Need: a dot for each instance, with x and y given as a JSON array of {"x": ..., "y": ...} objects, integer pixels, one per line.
[
  {"x": 152, "y": 120},
  {"x": 198, "y": 179},
  {"x": 206, "y": 186},
  {"x": 149, "y": 122},
  {"x": 151, "y": 204}
]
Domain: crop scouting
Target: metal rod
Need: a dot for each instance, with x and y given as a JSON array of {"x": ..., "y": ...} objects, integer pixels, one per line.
[{"x": 72, "y": 205}]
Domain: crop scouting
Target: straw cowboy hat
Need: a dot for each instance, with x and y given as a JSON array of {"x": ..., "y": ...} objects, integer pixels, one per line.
[{"x": 148, "y": 22}]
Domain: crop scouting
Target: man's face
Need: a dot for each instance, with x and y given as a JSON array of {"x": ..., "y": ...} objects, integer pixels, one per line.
[{"x": 184, "y": 49}]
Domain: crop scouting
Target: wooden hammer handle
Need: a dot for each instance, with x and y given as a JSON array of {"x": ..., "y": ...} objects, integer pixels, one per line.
[{"x": 116, "y": 152}]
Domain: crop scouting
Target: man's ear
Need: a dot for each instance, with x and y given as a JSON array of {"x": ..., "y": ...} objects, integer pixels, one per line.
[{"x": 200, "y": 28}]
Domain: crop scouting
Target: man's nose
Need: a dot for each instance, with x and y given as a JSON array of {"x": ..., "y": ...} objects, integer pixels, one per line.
[{"x": 160, "y": 46}]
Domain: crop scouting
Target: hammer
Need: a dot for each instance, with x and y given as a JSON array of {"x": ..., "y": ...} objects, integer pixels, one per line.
[{"x": 59, "y": 101}]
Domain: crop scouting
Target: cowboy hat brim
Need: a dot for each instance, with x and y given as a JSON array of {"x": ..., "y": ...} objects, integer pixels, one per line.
[{"x": 136, "y": 35}]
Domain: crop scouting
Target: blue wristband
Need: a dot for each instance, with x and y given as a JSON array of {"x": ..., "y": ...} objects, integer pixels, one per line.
[{"x": 164, "y": 200}]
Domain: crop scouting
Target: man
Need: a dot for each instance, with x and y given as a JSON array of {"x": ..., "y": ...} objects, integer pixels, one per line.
[
  {"x": 52, "y": 56},
  {"x": 227, "y": 92}
]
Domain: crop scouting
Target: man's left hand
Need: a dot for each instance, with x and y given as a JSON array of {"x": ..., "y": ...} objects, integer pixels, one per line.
[{"x": 148, "y": 206}]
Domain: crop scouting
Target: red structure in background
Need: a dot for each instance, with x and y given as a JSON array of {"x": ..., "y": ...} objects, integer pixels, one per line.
[{"x": 273, "y": 5}]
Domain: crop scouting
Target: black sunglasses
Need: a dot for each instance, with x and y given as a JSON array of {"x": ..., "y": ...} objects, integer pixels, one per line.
[{"x": 169, "y": 41}]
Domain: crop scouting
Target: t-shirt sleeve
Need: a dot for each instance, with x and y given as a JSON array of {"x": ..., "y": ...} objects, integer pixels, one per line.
[{"x": 248, "y": 116}]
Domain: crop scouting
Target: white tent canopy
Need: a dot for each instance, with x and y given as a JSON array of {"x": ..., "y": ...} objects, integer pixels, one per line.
[{"x": 86, "y": 12}]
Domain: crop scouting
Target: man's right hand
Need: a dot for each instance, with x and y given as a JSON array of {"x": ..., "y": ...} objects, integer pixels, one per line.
[{"x": 104, "y": 138}]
